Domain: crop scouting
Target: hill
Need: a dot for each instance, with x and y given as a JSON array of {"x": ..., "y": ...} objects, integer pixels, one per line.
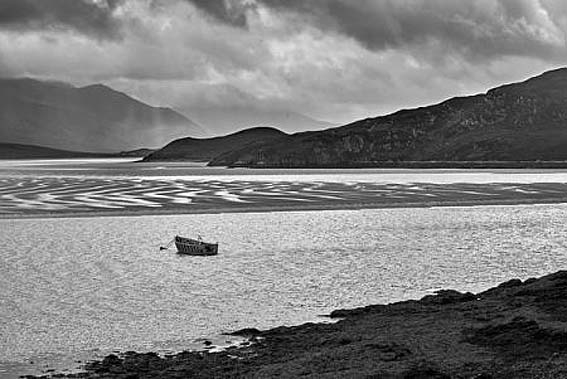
[
  {"x": 91, "y": 118},
  {"x": 205, "y": 149},
  {"x": 19, "y": 151},
  {"x": 220, "y": 121},
  {"x": 524, "y": 121}
]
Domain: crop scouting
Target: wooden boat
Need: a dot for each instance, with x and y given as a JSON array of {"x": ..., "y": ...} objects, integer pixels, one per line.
[{"x": 195, "y": 246}]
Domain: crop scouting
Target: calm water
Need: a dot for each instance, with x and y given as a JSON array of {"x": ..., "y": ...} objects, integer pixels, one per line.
[{"x": 81, "y": 287}]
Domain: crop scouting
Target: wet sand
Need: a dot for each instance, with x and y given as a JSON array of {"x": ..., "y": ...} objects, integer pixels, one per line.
[
  {"x": 71, "y": 197},
  {"x": 282, "y": 208}
]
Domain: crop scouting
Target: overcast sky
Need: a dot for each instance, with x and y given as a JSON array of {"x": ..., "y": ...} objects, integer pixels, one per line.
[{"x": 336, "y": 60}]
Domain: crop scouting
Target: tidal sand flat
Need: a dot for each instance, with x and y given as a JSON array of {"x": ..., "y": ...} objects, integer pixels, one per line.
[
  {"x": 67, "y": 196},
  {"x": 97, "y": 187}
]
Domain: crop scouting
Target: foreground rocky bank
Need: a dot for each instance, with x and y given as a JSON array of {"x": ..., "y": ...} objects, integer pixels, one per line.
[{"x": 515, "y": 330}]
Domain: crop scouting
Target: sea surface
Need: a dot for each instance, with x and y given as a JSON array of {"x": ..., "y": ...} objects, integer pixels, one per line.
[{"x": 78, "y": 288}]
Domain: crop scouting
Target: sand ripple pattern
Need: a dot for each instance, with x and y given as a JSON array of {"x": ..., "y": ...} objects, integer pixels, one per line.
[{"x": 51, "y": 195}]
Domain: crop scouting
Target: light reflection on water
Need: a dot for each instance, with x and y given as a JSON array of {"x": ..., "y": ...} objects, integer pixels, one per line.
[
  {"x": 79, "y": 288},
  {"x": 74, "y": 285}
]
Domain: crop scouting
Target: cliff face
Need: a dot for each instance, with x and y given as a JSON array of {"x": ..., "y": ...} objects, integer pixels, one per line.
[
  {"x": 204, "y": 149},
  {"x": 521, "y": 121}
]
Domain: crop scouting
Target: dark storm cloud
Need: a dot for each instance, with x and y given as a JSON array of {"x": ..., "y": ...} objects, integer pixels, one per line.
[
  {"x": 230, "y": 12},
  {"x": 331, "y": 59},
  {"x": 94, "y": 18},
  {"x": 479, "y": 28}
]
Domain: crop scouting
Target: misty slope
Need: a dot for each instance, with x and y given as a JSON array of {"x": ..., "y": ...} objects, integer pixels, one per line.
[
  {"x": 205, "y": 149},
  {"x": 521, "y": 121},
  {"x": 92, "y": 118},
  {"x": 219, "y": 121},
  {"x": 18, "y": 151}
]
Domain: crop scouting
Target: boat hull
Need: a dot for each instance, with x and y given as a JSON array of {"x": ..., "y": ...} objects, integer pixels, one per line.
[{"x": 189, "y": 246}]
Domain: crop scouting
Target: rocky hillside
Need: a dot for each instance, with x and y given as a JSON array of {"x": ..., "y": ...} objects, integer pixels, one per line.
[
  {"x": 517, "y": 122},
  {"x": 93, "y": 118},
  {"x": 205, "y": 149}
]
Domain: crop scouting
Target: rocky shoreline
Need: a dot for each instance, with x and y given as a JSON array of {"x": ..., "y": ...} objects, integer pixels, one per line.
[
  {"x": 515, "y": 330},
  {"x": 408, "y": 165}
]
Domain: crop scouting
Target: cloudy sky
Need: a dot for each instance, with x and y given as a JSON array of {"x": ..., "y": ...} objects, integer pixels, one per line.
[{"x": 335, "y": 60}]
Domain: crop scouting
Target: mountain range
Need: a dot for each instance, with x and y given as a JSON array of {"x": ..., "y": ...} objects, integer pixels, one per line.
[
  {"x": 524, "y": 121},
  {"x": 92, "y": 118}
]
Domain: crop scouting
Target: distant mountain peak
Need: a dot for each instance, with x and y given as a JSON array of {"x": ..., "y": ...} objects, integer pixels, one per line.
[
  {"x": 90, "y": 118},
  {"x": 224, "y": 120}
]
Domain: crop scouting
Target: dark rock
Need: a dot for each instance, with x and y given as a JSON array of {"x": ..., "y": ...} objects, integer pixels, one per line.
[
  {"x": 511, "y": 283},
  {"x": 341, "y": 313},
  {"x": 143, "y": 362},
  {"x": 549, "y": 294},
  {"x": 111, "y": 360},
  {"x": 246, "y": 332},
  {"x": 388, "y": 351},
  {"x": 521, "y": 338},
  {"x": 345, "y": 341},
  {"x": 448, "y": 297}
]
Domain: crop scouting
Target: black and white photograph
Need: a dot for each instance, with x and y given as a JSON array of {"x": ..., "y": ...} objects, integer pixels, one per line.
[{"x": 283, "y": 189}]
